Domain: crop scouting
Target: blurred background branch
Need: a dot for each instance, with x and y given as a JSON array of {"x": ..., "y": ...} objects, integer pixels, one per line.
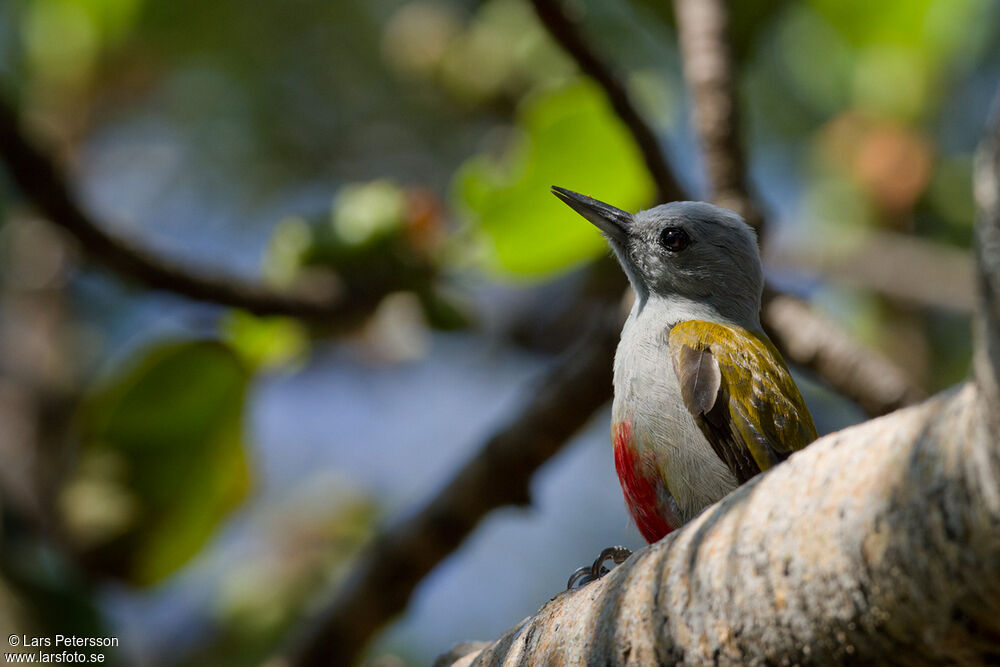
[
  {"x": 565, "y": 32},
  {"x": 916, "y": 271},
  {"x": 813, "y": 341},
  {"x": 44, "y": 183},
  {"x": 703, "y": 35},
  {"x": 499, "y": 474}
]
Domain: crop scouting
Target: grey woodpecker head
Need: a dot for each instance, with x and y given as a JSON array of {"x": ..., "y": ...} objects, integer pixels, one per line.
[{"x": 692, "y": 254}]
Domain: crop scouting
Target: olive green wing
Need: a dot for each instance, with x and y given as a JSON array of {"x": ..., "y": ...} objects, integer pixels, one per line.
[{"x": 739, "y": 391}]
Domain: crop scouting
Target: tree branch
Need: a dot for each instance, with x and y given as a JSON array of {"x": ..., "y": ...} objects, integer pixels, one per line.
[
  {"x": 986, "y": 327},
  {"x": 813, "y": 341},
  {"x": 43, "y": 183},
  {"x": 498, "y": 475},
  {"x": 702, "y": 27},
  {"x": 565, "y": 33},
  {"x": 903, "y": 267}
]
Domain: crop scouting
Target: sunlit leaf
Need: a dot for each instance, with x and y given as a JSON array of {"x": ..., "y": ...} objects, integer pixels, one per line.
[
  {"x": 264, "y": 342},
  {"x": 570, "y": 137},
  {"x": 174, "y": 420},
  {"x": 365, "y": 212}
]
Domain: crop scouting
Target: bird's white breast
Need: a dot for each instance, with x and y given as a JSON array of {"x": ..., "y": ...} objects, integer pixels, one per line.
[{"x": 647, "y": 395}]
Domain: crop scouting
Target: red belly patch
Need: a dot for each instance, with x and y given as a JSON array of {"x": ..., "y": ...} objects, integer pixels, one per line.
[{"x": 645, "y": 496}]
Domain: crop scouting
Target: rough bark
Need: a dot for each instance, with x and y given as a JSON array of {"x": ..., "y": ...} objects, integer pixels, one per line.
[{"x": 986, "y": 330}]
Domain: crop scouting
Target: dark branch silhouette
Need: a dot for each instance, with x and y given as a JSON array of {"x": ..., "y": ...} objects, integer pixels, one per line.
[
  {"x": 44, "y": 185},
  {"x": 565, "y": 33},
  {"x": 496, "y": 476}
]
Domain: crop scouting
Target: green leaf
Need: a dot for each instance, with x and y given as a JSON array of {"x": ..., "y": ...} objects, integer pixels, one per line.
[
  {"x": 569, "y": 137},
  {"x": 264, "y": 342},
  {"x": 174, "y": 422},
  {"x": 365, "y": 212},
  {"x": 902, "y": 51}
]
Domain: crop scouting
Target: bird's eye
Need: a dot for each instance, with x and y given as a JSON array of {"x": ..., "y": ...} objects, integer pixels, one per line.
[{"x": 674, "y": 239}]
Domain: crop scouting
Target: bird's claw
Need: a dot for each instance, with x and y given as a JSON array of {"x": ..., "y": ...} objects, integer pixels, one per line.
[{"x": 584, "y": 575}]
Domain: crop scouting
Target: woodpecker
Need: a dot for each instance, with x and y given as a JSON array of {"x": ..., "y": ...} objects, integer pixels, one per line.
[{"x": 702, "y": 399}]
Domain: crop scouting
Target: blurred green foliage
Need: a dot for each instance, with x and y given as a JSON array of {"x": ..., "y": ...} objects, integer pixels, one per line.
[
  {"x": 167, "y": 436},
  {"x": 51, "y": 596},
  {"x": 64, "y": 39},
  {"x": 364, "y": 236},
  {"x": 264, "y": 342},
  {"x": 568, "y": 137},
  {"x": 379, "y": 237}
]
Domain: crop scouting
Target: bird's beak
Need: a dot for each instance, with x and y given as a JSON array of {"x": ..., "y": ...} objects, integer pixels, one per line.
[{"x": 612, "y": 221}]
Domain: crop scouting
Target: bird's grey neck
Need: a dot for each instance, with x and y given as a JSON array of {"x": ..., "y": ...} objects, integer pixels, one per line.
[{"x": 670, "y": 309}]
